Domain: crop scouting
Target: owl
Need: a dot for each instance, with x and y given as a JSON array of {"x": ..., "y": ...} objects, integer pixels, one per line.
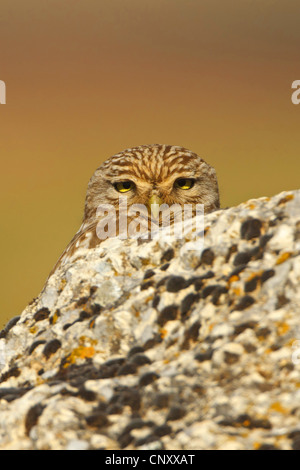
[{"x": 151, "y": 176}]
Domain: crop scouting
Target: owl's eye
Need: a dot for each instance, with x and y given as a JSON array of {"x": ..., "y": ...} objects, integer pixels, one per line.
[
  {"x": 124, "y": 186},
  {"x": 184, "y": 183}
]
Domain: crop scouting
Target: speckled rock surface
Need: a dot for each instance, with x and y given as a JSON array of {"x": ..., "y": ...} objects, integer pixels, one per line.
[{"x": 143, "y": 346}]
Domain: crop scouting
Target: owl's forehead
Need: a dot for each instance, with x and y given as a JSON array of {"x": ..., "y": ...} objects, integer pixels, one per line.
[{"x": 152, "y": 162}]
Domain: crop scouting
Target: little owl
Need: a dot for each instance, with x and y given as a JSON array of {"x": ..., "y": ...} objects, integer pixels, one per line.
[{"x": 151, "y": 175}]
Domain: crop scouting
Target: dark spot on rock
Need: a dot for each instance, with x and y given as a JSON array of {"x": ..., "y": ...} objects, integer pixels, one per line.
[
  {"x": 12, "y": 372},
  {"x": 256, "y": 253},
  {"x": 149, "y": 273},
  {"x": 267, "y": 447},
  {"x": 281, "y": 301},
  {"x": 264, "y": 240},
  {"x": 136, "y": 423},
  {"x": 191, "y": 334},
  {"x": 251, "y": 285},
  {"x": 51, "y": 347},
  {"x": 93, "y": 289},
  {"x": 285, "y": 199},
  {"x": 148, "y": 378},
  {"x": 68, "y": 325},
  {"x": 217, "y": 294},
  {"x": 267, "y": 274},
  {"x": 176, "y": 412},
  {"x": 161, "y": 400},
  {"x": 263, "y": 332},
  {"x": 207, "y": 256},
  {"x": 32, "y": 417},
  {"x": 162, "y": 430},
  {"x": 124, "y": 440},
  {"x": 168, "y": 313},
  {"x": 199, "y": 280},
  {"x": 127, "y": 369},
  {"x": 125, "y": 396},
  {"x": 244, "y": 303},
  {"x": 244, "y": 420},
  {"x": 41, "y": 314},
  {"x": 12, "y": 393},
  {"x": 9, "y": 326},
  {"x": 34, "y": 345},
  {"x": 244, "y": 326},
  {"x": 97, "y": 419},
  {"x": 82, "y": 301},
  {"x": 96, "y": 309},
  {"x": 140, "y": 360},
  {"x": 232, "y": 249},
  {"x": 295, "y": 436},
  {"x": 164, "y": 267},
  {"x": 75, "y": 374},
  {"x": 176, "y": 283},
  {"x": 237, "y": 270},
  {"x": 231, "y": 358},
  {"x": 250, "y": 228},
  {"x": 151, "y": 342},
  {"x": 155, "y": 301},
  {"x": 187, "y": 303},
  {"x": 147, "y": 284},
  {"x": 242, "y": 258},
  {"x": 135, "y": 350},
  {"x": 208, "y": 290},
  {"x": 198, "y": 284},
  {"x": 168, "y": 255},
  {"x": 162, "y": 281},
  {"x": 87, "y": 395},
  {"x": 204, "y": 356}
]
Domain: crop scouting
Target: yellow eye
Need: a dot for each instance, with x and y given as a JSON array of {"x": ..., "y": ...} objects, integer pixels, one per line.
[
  {"x": 184, "y": 183},
  {"x": 124, "y": 186}
]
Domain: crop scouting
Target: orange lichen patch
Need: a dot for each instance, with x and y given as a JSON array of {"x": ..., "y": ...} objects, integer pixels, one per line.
[
  {"x": 82, "y": 352},
  {"x": 253, "y": 275},
  {"x": 237, "y": 291},
  {"x": 163, "y": 333},
  {"x": 256, "y": 445},
  {"x": 297, "y": 384},
  {"x": 85, "y": 339},
  {"x": 62, "y": 285},
  {"x": 246, "y": 423},
  {"x": 276, "y": 406},
  {"x": 283, "y": 257},
  {"x": 251, "y": 206},
  {"x": 293, "y": 343},
  {"x": 33, "y": 329},
  {"x": 282, "y": 328},
  {"x": 233, "y": 279},
  {"x": 54, "y": 318},
  {"x": 288, "y": 197}
]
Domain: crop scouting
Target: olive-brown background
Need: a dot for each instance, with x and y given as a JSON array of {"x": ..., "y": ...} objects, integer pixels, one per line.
[{"x": 86, "y": 79}]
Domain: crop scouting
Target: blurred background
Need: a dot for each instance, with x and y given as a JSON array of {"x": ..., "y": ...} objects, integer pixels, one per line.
[{"x": 86, "y": 79}]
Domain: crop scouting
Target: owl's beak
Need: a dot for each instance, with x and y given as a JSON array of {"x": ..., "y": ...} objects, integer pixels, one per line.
[{"x": 153, "y": 205}]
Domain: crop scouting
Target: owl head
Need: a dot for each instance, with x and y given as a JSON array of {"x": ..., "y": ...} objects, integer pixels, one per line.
[{"x": 153, "y": 175}]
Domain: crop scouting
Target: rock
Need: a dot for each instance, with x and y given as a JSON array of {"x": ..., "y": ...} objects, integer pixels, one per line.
[{"x": 145, "y": 345}]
